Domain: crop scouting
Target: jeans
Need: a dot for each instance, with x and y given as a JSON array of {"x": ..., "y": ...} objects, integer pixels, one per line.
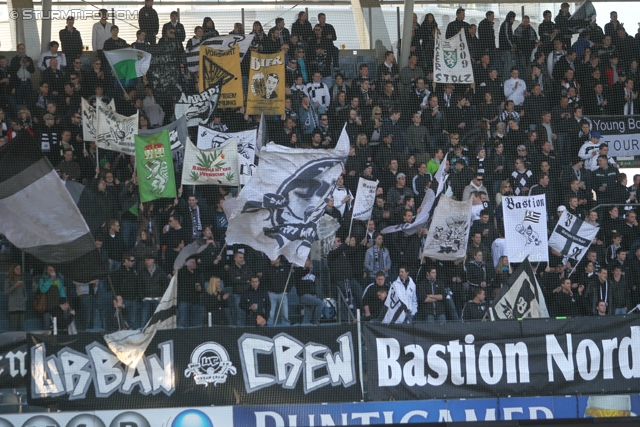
[
  {"x": 87, "y": 311},
  {"x": 189, "y": 315},
  {"x": 312, "y": 307},
  {"x": 148, "y": 308},
  {"x": 283, "y": 318},
  {"x": 129, "y": 232},
  {"x": 620, "y": 311},
  {"x": 323, "y": 282},
  {"x": 132, "y": 308},
  {"x": 441, "y": 318}
]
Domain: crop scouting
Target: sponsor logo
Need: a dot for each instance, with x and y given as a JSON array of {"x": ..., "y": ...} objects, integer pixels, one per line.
[
  {"x": 85, "y": 420},
  {"x": 192, "y": 418},
  {"x": 129, "y": 418}
]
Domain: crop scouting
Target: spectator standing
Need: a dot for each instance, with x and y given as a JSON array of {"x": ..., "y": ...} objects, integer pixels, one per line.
[
  {"x": 17, "y": 302},
  {"x": 71, "y": 41},
  {"x": 148, "y": 21}
]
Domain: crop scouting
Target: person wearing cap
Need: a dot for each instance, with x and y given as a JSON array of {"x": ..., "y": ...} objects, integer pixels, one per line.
[
  {"x": 590, "y": 151},
  {"x": 396, "y": 194},
  {"x": 45, "y": 57}
]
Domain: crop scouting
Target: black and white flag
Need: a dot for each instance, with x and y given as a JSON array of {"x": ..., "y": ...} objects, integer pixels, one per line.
[
  {"x": 198, "y": 108},
  {"x": 115, "y": 131},
  {"x": 525, "y": 228},
  {"x": 219, "y": 43},
  {"x": 365, "y": 199},
  {"x": 419, "y": 221},
  {"x": 452, "y": 60},
  {"x": 572, "y": 236},
  {"x": 277, "y": 212},
  {"x": 129, "y": 345},
  {"x": 441, "y": 175},
  {"x": 449, "y": 230},
  {"x": 523, "y": 298}
]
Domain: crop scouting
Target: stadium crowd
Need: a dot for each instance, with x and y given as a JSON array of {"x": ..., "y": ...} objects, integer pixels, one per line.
[{"x": 522, "y": 128}]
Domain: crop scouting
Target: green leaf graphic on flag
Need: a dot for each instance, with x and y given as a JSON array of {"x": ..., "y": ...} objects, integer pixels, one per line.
[{"x": 155, "y": 167}]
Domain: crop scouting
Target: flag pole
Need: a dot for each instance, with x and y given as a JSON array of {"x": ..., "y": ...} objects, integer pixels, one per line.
[
  {"x": 115, "y": 76},
  {"x": 350, "y": 225},
  {"x": 284, "y": 292}
]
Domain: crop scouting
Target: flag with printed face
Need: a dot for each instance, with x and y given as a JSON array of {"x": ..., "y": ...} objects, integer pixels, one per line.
[
  {"x": 129, "y": 345},
  {"x": 365, "y": 199},
  {"x": 278, "y": 211},
  {"x": 525, "y": 228},
  {"x": 89, "y": 122},
  {"x": 522, "y": 299},
  {"x": 572, "y": 236},
  {"x": 222, "y": 68},
  {"x": 156, "y": 177},
  {"x": 215, "y": 166},
  {"x": 449, "y": 230},
  {"x": 115, "y": 131},
  {"x": 192, "y": 55},
  {"x": 266, "y": 84},
  {"x": 245, "y": 142}
]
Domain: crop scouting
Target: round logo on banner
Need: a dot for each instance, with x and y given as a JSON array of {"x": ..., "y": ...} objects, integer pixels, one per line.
[
  {"x": 5, "y": 423},
  {"x": 130, "y": 419},
  {"x": 41, "y": 421},
  {"x": 192, "y": 418},
  {"x": 210, "y": 364},
  {"x": 84, "y": 420}
]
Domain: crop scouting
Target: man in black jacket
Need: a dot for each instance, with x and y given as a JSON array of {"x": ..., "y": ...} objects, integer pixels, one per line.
[
  {"x": 175, "y": 25},
  {"x": 255, "y": 302},
  {"x": 126, "y": 284},
  {"x": 71, "y": 41},
  {"x": 153, "y": 283},
  {"x": 148, "y": 21},
  {"x": 190, "y": 312}
]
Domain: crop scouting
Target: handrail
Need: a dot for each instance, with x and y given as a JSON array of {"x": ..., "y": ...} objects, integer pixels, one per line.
[
  {"x": 606, "y": 205},
  {"x": 343, "y": 300}
]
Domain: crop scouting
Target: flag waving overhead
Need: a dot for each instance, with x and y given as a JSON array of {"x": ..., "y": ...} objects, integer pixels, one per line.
[
  {"x": 156, "y": 177},
  {"x": 572, "y": 236},
  {"x": 115, "y": 131},
  {"x": 452, "y": 60},
  {"x": 37, "y": 213},
  {"x": 245, "y": 141},
  {"x": 523, "y": 298},
  {"x": 365, "y": 199},
  {"x": 449, "y": 230},
  {"x": 215, "y": 166},
  {"x": 279, "y": 209},
  {"x": 129, "y": 346},
  {"x": 525, "y": 228},
  {"x": 128, "y": 64},
  {"x": 89, "y": 122}
]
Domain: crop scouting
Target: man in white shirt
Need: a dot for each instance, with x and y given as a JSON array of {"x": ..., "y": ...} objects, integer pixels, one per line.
[
  {"x": 46, "y": 57},
  {"x": 100, "y": 33},
  {"x": 590, "y": 151},
  {"x": 402, "y": 301},
  {"x": 515, "y": 88}
]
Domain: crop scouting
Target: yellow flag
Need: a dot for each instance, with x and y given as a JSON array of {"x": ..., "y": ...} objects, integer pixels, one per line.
[
  {"x": 266, "y": 84},
  {"x": 222, "y": 68}
]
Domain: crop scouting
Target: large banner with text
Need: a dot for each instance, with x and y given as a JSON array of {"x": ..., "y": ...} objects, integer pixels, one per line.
[{"x": 620, "y": 133}]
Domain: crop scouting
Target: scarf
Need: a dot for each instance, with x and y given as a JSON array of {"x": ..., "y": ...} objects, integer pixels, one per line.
[{"x": 195, "y": 220}]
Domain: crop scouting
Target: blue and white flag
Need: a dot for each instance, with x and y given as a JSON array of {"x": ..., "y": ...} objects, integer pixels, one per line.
[
  {"x": 525, "y": 228},
  {"x": 278, "y": 211}
]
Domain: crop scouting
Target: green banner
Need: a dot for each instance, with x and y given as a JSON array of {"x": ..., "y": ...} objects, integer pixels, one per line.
[{"x": 155, "y": 167}]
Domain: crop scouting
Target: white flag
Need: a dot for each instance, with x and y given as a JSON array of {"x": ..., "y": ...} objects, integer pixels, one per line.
[
  {"x": 441, "y": 174},
  {"x": 452, "y": 60},
  {"x": 215, "y": 166},
  {"x": 523, "y": 298},
  {"x": 525, "y": 228},
  {"x": 278, "y": 211},
  {"x": 89, "y": 123},
  {"x": 572, "y": 236},
  {"x": 129, "y": 346},
  {"x": 115, "y": 131},
  {"x": 365, "y": 199},
  {"x": 261, "y": 139},
  {"x": 198, "y": 108},
  {"x": 246, "y": 143},
  {"x": 219, "y": 43},
  {"x": 327, "y": 228},
  {"x": 449, "y": 230}
]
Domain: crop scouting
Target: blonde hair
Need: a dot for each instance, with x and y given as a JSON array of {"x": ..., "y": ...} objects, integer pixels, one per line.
[{"x": 212, "y": 289}]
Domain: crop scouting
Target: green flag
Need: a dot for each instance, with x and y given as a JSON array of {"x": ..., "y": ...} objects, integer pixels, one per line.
[{"x": 155, "y": 166}]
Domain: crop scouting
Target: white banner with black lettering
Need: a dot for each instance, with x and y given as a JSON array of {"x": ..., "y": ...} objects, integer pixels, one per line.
[
  {"x": 525, "y": 228},
  {"x": 572, "y": 236},
  {"x": 452, "y": 60},
  {"x": 620, "y": 133},
  {"x": 365, "y": 198}
]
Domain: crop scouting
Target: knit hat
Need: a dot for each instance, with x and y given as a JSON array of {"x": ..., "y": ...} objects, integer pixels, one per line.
[{"x": 103, "y": 162}]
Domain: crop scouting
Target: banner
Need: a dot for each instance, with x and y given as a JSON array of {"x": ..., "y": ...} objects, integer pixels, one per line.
[
  {"x": 365, "y": 199},
  {"x": 522, "y": 298},
  {"x": 441, "y": 175},
  {"x": 327, "y": 228},
  {"x": 14, "y": 351},
  {"x": 452, "y": 60},
  {"x": 243, "y": 41},
  {"x": 266, "y": 84},
  {"x": 572, "y": 236},
  {"x": 419, "y": 221},
  {"x": 156, "y": 177},
  {"x": 246, "y": 143},
  {"x": 620, "y": 133},
  {"x": 198, "y": 108},
  {"x": 215, "y": 166},
  {"x": 279, "y": 209},
  {"x": 115, "y": 131},
  {"x": 89, "y": 123},
  {"x": 198, "y": 367},
  {"x": 222, "y": 68},
  {"x": 178, "y": 135},
  {"x": 534, "y": 357},
  {"x": 525, "y": 228},
  {"x": 449, "y": 230}
]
